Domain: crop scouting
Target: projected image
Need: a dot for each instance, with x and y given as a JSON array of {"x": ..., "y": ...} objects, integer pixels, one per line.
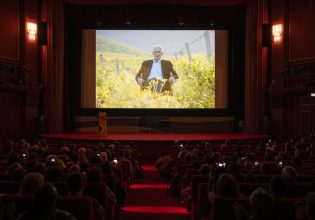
[{"x": 155, "y": 69}]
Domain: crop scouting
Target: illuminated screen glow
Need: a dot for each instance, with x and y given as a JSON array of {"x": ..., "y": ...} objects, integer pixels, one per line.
[{"x": 124, "y": 56}]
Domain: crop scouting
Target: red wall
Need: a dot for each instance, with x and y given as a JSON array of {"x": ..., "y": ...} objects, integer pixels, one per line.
[
  {"x": 19, "y": 93},
  {"x": 292, "y": 109}
]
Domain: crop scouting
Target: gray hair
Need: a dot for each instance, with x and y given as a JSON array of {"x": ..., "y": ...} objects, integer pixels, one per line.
[{"x": 157, "y": 46}]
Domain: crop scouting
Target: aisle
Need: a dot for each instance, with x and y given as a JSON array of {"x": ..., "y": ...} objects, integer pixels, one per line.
[{"x": 147, "y": 200}]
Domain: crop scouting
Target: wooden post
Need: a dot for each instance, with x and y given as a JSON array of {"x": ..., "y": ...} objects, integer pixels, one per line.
[
  {"x": 188, "y": 52},
  {"x": 208, "y": 46},
  {"x": 117, "y": 66}
]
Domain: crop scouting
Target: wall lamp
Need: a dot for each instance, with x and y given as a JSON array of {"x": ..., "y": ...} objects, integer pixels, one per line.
[
  {"x": 277, "y": 32},
  {"x": 31, "y": 29}
]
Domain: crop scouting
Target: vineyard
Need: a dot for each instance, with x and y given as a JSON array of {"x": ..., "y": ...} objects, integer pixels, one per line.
[{"x": 116, "y": 86}]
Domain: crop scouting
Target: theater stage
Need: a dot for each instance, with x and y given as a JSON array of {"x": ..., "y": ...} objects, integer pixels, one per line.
[
  {"x": 154, "y": 136},
  {"x": 150, "y": 144}
]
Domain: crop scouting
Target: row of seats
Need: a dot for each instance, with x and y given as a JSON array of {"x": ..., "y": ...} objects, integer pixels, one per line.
[{"x": 80, "y": 206}]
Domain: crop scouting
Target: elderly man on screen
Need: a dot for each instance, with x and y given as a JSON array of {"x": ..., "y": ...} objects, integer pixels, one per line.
[{"x": 157, "y": 70}]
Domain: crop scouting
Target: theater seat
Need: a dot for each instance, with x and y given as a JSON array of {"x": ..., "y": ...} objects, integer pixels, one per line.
[
  {"x": 298, "y": 190},
  {"x": 247, "y": 188},
  {"x": 222, "y": 207},
  {"x": 110, "y": 181},
  {"x": 98, "y": 192},
  {"x": 22, "y": 203},
  {"x": 9, "y": 187},
  {"x": 283, "y": 209},
  {"x": 203, "y": 203},
  {"x": 80, "y": 206},
  {"x": 195, "y": 181}
]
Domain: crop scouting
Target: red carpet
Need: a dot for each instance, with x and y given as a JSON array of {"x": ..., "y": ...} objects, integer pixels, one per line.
[{"x": 147, "y": 200}]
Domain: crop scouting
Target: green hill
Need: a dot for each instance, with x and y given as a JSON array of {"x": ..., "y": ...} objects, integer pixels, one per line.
[{"x": 104, "y": 44}]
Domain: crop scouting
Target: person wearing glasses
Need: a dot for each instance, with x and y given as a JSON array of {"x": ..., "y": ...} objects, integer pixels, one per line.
[{"x": 157, "y": 74}]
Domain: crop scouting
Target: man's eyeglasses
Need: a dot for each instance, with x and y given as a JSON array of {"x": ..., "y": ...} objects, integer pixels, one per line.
[{"x": 157, "y": 52}]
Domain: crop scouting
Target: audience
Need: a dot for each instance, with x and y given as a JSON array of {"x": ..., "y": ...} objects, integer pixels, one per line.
[
  {"x": 31, "y": 183},
  {"x": 278, "y": 187},
  {"x": 95, "y": 176},
  {"x": 163, "y": 165},
  {"x": 310, "y": 205},
  {"x": 240, "y": 166},
  {"x": 45, "y": 202},
  {"x": 75, "y": 183},
  {"x": 288, "y": 173},
  {"x": 260, "y": 204},
  {"x": 227, "y": 186}
]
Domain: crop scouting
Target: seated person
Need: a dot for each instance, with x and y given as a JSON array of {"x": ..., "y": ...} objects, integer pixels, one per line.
[
  {"x": 76, "y": 188},
  {"x": 45, "y": 206},
  {"x": 163, "y": 165},
  {"x": 157, "y": 69}
]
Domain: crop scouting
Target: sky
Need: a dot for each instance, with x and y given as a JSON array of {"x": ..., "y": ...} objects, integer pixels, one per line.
[{"x": 171, "y": 40}]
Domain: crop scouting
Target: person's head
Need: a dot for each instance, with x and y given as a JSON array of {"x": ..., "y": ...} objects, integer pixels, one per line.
[
  {"x": 95, "y": 158},
  {"x": 13, "y": 167},
  {"x": 75, "y": 183},
  {"x": 204, "y": 169},
  {"x": 260, "y": 202},
  {"x": 103, "y": 157},
  {"x": 53, "y": 174},
  {"x": 310, "y": 205},
  {"x": 157, "y": 52},
  {"x": 75, "y": 168},
  {"x": 297, "y": 162},
  {"x": 45, "y": 200},
  {"x": 266, "y": 168},
  {"x": 288, "y": 173},
  {"x": 13, "y": 157},
  {"x": 32, "y": 157},
  {"x": 94, "y": 175},
  {"x": 233, "y": 168},
  {"x": 39, "y": 168},
  {"x": 51, "y": 160},
  {"x": 227, "y": 186},
  {"x": 250, "y": 178},
  {"x": 19, "y": 174},
  {"x": 278, "y": 187},
  {"x": 31, "y": 183},
  {"x": 8, "y": 146},
  {"x": 43, "y": 142}
]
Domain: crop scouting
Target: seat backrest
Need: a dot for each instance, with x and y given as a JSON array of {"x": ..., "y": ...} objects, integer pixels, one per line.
[
  {"x": 80, "y": 206},
  {"x": 298, "y": 190},
  {"x": 118, "y": 173},
  {"x": 283, "y": 209},
  {"x": 5, "y": 177},
  {"x": 62, "y": 188},
  {"x": 203, "y": 203},
  {"x": 188, "y": 175},
  {"x": 262, "y": 178},
  {"x": 9, "y": 187},
  {"x": 22, "y": 203},
  {"x": 97, "y": 191},
  {"x": 247, "y": 188},
  {"x": 195, "y": 181},
  {"x": 223, "y": 207},
  {"x": 110, "y": 181},
  {"x": 304, "y": 178}
]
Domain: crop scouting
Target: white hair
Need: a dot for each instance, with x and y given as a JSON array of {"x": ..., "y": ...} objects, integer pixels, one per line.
[{"x": 157, "y": 46}]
